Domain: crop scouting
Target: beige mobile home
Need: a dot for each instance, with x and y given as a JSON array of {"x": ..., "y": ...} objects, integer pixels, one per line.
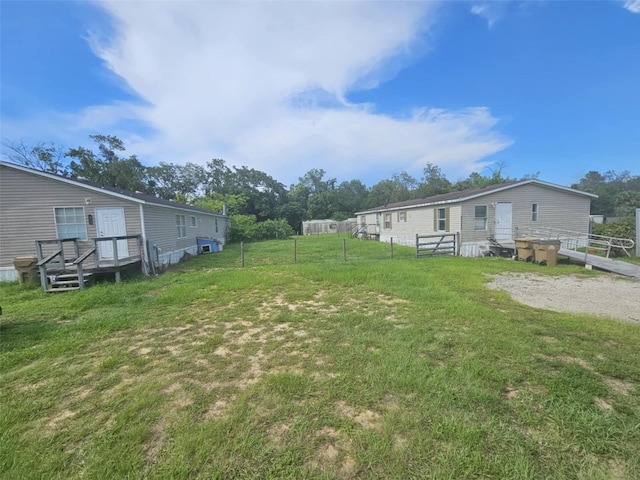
[
  {"x": 38, "y": 206},
  {"x": 495, "y": 213}
]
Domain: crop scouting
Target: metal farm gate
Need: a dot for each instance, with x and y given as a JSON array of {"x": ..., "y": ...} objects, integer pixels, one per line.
[{"x": 438, "y": 244}]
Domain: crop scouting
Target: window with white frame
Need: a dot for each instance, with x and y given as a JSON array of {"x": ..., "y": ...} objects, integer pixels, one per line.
[
  {"x": 442, "y": 219},
  {"x": 181, "y": 225},
  {"x": 534, "y": 212},
  {"x": 193, "y": 221},
  {"x": 70, "y": 222},
  {"x": 387, "y": 220},
  {"x": 402, "y": 216},
  {"x": 480, "y": 217}
]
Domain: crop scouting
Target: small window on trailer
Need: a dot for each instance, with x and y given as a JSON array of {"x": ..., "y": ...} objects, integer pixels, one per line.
[
  {"x": 441, "y": 219},
  {"x": 480, "y": 217},
  {"x": 181, "y": 225}
]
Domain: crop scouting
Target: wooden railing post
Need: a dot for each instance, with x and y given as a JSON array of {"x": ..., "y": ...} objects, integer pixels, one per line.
[
  {"x": 61, "y": 248},
  {"x": 80, "y": 276}
]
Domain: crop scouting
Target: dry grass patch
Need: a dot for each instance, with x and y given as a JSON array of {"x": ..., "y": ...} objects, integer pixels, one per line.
[
  {"x": 620, "y": 386},
  {"x": 332, "y": 454}
]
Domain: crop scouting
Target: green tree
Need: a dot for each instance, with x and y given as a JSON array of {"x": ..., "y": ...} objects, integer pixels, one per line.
[
  {"x": 168, "y": 180},
  {"x": 321, "y": 194},
  {"x": 235, "y": 203},
  {"x": 107, "y": 168},
  {"x": 434, "y": 182},
  {"x": 477, "y": 180},
  {"x": 352, "y": 197},
  {"x": 44, "y": 156},
  {"x": 399, "y": 188},
  {"x": 617, "y": 192},
  {"x": 264, "y": 195}
]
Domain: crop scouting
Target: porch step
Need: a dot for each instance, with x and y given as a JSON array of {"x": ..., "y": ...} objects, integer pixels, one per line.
[
  {"x": 66, "y": 282},
  {"x": 62, "y": 289}
]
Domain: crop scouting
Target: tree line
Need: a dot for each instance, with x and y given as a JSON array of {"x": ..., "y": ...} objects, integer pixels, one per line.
[{"x": 253, "y": 197}]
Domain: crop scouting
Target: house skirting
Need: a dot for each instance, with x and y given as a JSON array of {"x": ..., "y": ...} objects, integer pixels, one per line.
[
  {"x": 467, "y": 249},
  {"x": 8, "y": 274},
  {"x": 170, "y": 258},
  {"x": 406, "y": 240}
]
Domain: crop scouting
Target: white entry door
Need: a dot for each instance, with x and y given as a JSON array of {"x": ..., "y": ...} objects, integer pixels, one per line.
[
  {"x": 110, "y": 223},
  {"x": 504, "y": 221}
]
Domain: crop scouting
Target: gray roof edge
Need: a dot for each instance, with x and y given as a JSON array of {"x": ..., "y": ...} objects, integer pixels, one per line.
[
  {"x": 95, "y": 188},
  {"x": 478, "y": 194}
]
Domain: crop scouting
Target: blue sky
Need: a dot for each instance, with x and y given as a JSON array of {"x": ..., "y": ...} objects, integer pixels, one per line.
[{"x": 361, "y": 89}]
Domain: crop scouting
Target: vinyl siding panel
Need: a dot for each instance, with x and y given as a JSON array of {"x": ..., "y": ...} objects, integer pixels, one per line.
[
  {"x": 27, "y": 203},
  {"x": 420, "y": 221},
  {"x": 161, "y": 229},
  {"x": 556, "y": 209}
]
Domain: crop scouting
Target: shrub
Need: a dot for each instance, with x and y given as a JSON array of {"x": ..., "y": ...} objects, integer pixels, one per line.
[
  {"x": 273, "y": 229},
  {"x": 245, "y": 228},
  {"x": 624, "y": 228}
]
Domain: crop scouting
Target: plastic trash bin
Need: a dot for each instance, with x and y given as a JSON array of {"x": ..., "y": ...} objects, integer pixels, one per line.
[
  {"x": 524, "y": 248},
  {"x": 546, "y": 252},
  {"x": 27, "y": 269}
]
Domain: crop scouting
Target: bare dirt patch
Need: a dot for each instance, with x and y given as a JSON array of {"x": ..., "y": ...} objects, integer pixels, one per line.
[
  {"x": 366, "y": 418},
  {"x": 620, "y": 386},
  {"x": 55, "y": 421},
  {"x": 608, "y": 295},
  {"x": 603, "y": 404},
  {"x": 333, "y": 455}
]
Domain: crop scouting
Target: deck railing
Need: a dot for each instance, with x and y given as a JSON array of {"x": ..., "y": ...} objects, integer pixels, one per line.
[{"x": 56, "y": 261}]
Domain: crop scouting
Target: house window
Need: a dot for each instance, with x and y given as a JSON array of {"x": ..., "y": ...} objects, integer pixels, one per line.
[
  {"x": 387, "y": 220},
  {"x": 363, "y": 220},
  {"x": 534, "y": 212},
  {"x": 480, "y": 217},
  {"x": 216, "y": 225},
  {"x": 70, "y": 223},
  {"x": 194, "y": 221},
  {"x": 442, "y": 219},
  {"x": 402, "y": 216},
  {"x": 181, "y": 224}
]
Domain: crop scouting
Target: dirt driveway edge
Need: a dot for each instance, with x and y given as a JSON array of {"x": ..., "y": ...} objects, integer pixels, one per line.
[{"x": 608, "y": 295}]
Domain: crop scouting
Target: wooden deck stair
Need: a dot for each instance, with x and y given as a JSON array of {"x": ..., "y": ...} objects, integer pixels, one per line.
[{"x": 67, "y": 282}]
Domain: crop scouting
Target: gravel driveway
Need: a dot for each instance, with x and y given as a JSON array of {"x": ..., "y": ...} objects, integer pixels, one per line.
[{"x": 610, "y": 296}]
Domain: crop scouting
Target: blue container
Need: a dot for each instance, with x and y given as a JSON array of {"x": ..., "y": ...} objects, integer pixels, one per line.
[{"x": 206, "y": 245}]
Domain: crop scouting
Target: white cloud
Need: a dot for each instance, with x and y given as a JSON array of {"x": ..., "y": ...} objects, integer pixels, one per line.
[
  {"x": 490, "y": 11},
  {"x": 632, "y": 5},
  {"x": 263, "y": 84}
]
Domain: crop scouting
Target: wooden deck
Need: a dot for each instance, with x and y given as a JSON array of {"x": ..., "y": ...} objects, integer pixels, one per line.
[
  {"x": 68, "y": 268},
  {"x": 607, "y": 264}
]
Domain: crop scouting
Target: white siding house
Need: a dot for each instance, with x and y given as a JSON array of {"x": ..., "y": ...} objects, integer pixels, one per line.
[
  {"x": 498, "y": 212},
  {"x": 35, "y": 205}
]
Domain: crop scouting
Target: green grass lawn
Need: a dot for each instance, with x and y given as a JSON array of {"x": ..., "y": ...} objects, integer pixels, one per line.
[{"x": 369, "y": 368}]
